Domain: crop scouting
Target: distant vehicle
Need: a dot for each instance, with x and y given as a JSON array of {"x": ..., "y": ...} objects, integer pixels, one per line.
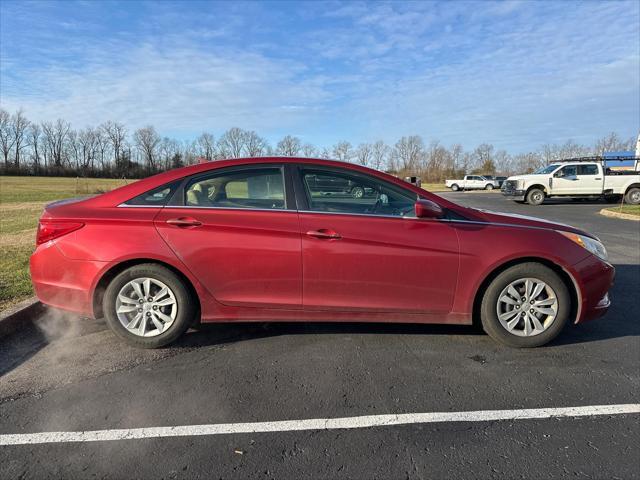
[
  {"x": 500, "y": 180},
  {"x": 335, "y": 185},
  {"x": 417, "y": 181},
  {"x": 250, "y": 240},
  {"x": 586, "y": 177},
  {"x": 472, "y": 182}
]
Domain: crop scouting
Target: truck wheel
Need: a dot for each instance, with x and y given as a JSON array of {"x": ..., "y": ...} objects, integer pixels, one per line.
[
  {"x": 488, "y": 187},
  {"x": 632, "y": 196},
  {"x": 455, "y": 187},
  {"x": 535, "y": 196}
]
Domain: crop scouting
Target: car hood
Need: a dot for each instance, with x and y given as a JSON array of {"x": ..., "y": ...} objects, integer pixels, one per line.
[
  {"x": 528, "y": 177},
  {"x": 517, "y": 220}
]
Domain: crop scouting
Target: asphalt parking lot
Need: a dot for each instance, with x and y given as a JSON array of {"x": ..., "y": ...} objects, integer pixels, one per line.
[{"x": 70, "y": 374}]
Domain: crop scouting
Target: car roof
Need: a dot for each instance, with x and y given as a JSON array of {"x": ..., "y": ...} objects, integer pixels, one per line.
[{"x": 122, "y": 194}]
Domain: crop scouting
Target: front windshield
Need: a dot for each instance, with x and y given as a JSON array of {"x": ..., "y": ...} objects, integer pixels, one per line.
[{"x": 547, "y": 169}]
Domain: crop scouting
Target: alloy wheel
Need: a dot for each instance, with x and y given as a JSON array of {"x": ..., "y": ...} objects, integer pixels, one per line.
[
  {"x": 146, "y": 307},
  {"x": 527, "y": 307}
]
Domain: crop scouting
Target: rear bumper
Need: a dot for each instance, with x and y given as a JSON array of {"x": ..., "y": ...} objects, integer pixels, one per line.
[
  {"x": 594, "y": 279},
  {"x": 61, "y": 282}
]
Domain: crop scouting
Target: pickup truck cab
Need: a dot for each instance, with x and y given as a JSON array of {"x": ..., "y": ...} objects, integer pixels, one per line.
[
  {"x": 472, "y": 182},
  {"x": 586, "y": 179}
]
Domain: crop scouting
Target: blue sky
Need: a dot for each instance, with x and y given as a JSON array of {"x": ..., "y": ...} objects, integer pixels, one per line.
[{"x": 515, "y": 74}]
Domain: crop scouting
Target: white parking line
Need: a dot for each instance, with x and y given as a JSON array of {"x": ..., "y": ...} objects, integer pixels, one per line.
[{"x": 316, "y": 424}]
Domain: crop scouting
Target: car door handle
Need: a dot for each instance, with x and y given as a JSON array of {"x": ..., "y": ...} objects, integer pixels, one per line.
[
  {"x": 598, "y": 179},
  {"x": 184, "y": 222},
  {"x": 324, "y": 234}
]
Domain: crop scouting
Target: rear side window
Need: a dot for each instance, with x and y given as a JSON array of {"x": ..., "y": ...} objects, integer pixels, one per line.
[
  {"x": 158, "y": 197},
  {"x": 587, "y": 170},
  {"x": 255, "y": 188}
]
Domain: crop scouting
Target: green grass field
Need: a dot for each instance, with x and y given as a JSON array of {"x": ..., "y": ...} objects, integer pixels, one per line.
[
  {"x": 22, "y": 200},
  {"x": 628, "y": 209}
]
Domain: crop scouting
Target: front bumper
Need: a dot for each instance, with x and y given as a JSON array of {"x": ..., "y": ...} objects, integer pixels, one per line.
[
  {"x": 514, "y": 194},
  {"x": 594, "y": 279}
]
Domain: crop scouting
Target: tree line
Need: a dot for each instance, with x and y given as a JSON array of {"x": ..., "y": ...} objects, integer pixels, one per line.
[{"x": 112, "y": 150}]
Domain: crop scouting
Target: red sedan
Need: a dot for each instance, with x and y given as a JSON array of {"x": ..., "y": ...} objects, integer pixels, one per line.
[{"x": 294, "y": 239}]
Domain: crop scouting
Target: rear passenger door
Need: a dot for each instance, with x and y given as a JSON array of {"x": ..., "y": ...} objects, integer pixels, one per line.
[
  {"x": 590, "y": 179},
  {"x": 237, "y": 231}
]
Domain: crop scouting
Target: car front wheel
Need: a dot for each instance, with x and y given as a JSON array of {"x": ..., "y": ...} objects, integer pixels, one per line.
[
  {"x": 488, "y": 187},
  {"x": 525, "y": 306},
  {"x": 148, "y": 306}
]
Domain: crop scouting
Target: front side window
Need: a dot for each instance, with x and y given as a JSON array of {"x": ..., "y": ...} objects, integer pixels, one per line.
[
  {"x": 587, "y": 170},
  {"x": 545, "y": 170},
  {"x": 569, "y": 171},
  {"x": 255, "y": 188},
  {"x": 343, "y": 192}
]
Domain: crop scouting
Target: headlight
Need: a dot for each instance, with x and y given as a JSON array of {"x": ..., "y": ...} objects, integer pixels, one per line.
[
  {"x": 520, "y": 185},
  {"x": 594, "y": 246}
]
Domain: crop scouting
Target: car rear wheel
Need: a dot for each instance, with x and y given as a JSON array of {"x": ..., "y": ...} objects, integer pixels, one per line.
[
  {"x": 148, "y": 306},
  {"x": 525, "y": 306},
  {"x": 455, "y": 187},
  {"x": 633, "y": 196},
  {"x": 535, "y": 196},
  {"x": 488, "y": 187}
]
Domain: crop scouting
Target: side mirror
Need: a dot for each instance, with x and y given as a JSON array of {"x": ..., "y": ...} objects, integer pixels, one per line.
[{"x": 428, "y": 209}]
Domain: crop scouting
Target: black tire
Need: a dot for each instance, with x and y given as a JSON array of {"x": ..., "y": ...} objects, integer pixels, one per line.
[
  {"x": 489, "y": 314},
  {"x": 535, "y": 196},
  {"x": 357, "y": 192},
  {"x": 632, "y": 197},
  {"x": 455, "y": 187},
  {"x": 488, "y": 186},
  {"x": 186, "y": 305}
]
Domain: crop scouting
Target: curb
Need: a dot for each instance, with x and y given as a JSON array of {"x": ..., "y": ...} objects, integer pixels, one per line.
[
  {"x": 612, "y": 214},
  {"x": 23, "y": 313}
]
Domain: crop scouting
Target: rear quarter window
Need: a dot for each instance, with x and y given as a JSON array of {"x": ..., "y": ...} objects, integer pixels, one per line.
[{"x": 158, "y": 197}]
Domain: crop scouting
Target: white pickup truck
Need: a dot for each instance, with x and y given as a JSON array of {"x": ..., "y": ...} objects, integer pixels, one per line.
[
  {"x": 472, "y": 182},
  {"x": 575, "y": 178}
]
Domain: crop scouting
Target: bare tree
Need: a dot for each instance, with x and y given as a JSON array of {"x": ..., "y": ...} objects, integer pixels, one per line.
[
  {"x": 19, "y": 126},
  {"x": 232, "y": 143},
  {"x": 309, "y": 150},
  {"x": 364, "y": 154},
  {"x": 289, "y": 147},
  {"x": 33, "y": 140},
  {"x": 380, "y": 152},
  {"x": 408, "y": 153},
  {"x": 343, "y": 151},
  {"x": 55, "y": 135},
  {"x": 6, "y": 136},
  {"x": 255, "y": 145},
  {"x": 117, "y": 135},
  {"x": 87, "y": 148},
  {"x": 147, "y": 140},
  {"x": 206, "y": 146}
]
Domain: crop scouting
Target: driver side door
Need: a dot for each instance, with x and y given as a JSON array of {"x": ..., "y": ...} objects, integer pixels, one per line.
[
  {"x": 371, "y": 254},
  {"x": 565, "y": 181}
]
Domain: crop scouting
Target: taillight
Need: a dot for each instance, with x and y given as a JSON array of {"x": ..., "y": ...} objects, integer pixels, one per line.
[{"x": 50, "y": 230}]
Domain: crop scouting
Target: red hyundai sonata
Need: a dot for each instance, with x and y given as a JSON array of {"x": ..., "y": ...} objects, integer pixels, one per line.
[{"x": 295, "y": 239}]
